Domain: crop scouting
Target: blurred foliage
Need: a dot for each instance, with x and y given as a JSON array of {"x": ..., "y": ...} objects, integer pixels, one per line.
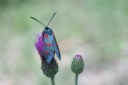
[{"x": 96, "y": 29}]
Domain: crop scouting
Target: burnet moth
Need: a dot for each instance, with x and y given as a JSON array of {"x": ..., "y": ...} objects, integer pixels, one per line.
[{"x": 47, "y": 45}]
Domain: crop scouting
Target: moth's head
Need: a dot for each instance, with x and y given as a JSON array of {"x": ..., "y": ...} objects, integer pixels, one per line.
[{"x": 48, "y": 30}]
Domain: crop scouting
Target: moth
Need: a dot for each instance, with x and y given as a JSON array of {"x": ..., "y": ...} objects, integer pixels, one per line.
[{"x": 48, "y": 46}]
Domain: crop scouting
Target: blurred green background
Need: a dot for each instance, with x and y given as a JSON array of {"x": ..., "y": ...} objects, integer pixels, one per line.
[{"x": 96, "y": 29}]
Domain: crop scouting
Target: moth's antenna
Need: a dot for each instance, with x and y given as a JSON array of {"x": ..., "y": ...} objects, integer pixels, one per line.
[
  {"x": 51, "y": 18},
  {"x": 38, "y": 21}
]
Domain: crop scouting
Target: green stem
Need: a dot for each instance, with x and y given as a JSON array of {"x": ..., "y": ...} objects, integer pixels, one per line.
[
  {"x": 52, "y": 80},
  {"x": 76, "y": 79}
]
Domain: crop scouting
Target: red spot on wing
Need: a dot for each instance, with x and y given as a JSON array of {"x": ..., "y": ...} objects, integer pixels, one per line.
[
  {"x": 56, "y": 44},
  {"x": 53, "y": 34},
  {"x": 46, "y": 52},
  {"x": 48, "y": 44},
  {"x": 58, "y": 50},
  {"x": 46, "y": 35}
]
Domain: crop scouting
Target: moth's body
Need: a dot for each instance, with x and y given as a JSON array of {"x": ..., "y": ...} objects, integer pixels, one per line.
[
  {"x": 47, "y": 44},
  {"x": 50, "y": 45}
]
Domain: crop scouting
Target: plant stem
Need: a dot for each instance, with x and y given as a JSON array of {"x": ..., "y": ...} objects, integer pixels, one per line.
[
  {"x": 52, "y": 80},
  {"x": 76, "y": 79}
]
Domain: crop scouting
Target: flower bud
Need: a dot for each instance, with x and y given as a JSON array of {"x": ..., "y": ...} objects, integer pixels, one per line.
[
  {"x": 77, "y": 64},
  {"x": 49, "y": 69}
]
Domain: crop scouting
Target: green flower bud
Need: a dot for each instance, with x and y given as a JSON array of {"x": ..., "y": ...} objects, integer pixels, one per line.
[
  {"x": 77, "y": 64},
  {"x": 49, "y": 69}
]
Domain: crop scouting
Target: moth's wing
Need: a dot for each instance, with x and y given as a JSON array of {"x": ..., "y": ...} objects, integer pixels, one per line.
[
  {"x": 55, "y": 45},
  {"x": 48, "y": 48},
  {"x": 48, "y": 54}
]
